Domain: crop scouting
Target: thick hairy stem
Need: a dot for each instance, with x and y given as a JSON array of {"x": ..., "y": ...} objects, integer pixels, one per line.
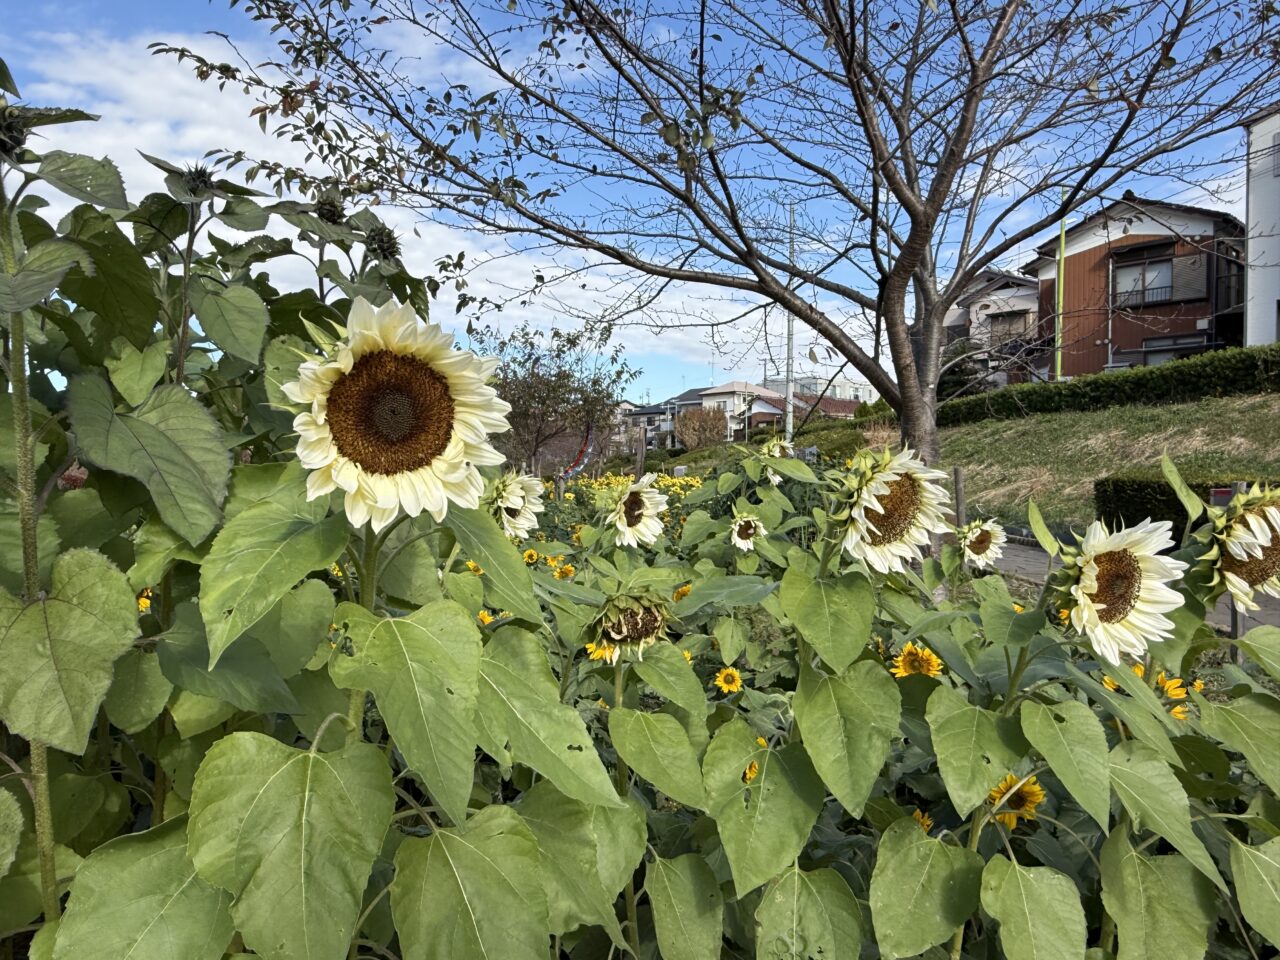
[
  {"x": 623, "y": 778},
  {"x": 44, "y": 830},
  {"x": 976, "y": 823},
  {"x": 368, "y": 600}
]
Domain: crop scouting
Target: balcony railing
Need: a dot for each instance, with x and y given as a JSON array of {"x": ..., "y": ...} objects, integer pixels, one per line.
[{"x": 1143, "y": 297}]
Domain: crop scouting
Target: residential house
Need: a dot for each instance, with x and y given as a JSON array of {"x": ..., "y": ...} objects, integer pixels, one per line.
[
  {"x": 1145, "y": 281},
  {"x": 828, "y": 406},
  {"x": 841, "y": 388},
  {"x": 996, "y": 318},
  {"x": 657, "y": 420},
  {"x": 1262, "y": 212},
  {"x": 745, "y": 406}
]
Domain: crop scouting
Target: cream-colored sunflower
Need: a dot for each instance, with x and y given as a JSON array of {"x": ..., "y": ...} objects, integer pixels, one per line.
[
  {"x": 1247, "y": 545},
  {"x": 776, "y": 447},
  {"x": 397, "y": 418},
  {"x": 890, "y": 506},
  {"x": 744, "y": 530},
  {"x": 1121, "y": 588},
  {"x": 982, "y": 542},
  {"x": 516, "y": 500},
  {"x": 635, "y": 517}
]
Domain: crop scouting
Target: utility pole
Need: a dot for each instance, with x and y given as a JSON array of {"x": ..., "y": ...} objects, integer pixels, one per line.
[
  {"x": 791, "y": 337},
  {"x": 1059, "y": 285}
]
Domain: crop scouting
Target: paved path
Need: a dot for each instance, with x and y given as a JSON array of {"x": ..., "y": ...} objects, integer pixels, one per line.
[{"x": 1031, "y": 562}]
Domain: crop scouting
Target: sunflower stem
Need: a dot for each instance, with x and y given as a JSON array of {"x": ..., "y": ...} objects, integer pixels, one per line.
[
  {"x": 828, "y": 548},
  {"x": 1011, "y": 697},
  {"x": 976, "y": 823},
  {"x": 368, "y": 600},
  {"x": 623, "y": 775}
]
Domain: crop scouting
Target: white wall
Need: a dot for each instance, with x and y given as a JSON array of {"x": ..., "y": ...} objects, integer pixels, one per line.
[{"x": 1263, "y": 217}]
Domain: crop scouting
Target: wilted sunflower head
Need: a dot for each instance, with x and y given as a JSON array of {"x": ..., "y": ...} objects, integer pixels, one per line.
[
  {"x": 1245, "y": 554},
  {"x": 631, "y": 621},
  {"x": 13, "y": 130},
  {"x": 381, "y": 242},
  {"x": 397, "y": 418},
  {"x": 889, "y": 505},
  {"x": 330, "y": 209},
  {"x": 746, "y": 527},
  {"x": 197, "y": 180}
]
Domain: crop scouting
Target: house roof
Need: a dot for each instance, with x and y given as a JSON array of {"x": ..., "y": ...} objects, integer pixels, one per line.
[
  {"x": 693, "y": 395},
  {"x": 991, "y": 279},
  {"x": 1130, "y": 201},
  {"x": 741, "y": 386},
  {"x": 831, "y": 406},
  {"x": 1260, "y": 115}
]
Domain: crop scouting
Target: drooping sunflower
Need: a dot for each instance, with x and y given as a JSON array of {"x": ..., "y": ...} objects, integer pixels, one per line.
[
  {"x": 630, "y": 622},
  {"x": 982, "y": 542},
  {"x": 915, "y": 659},
  {"x": 515, "y": 499},
  {"x": 1011, "y": 805},
  {"x": 776, "y": 448},
  {"x": 1246, "y": 545},
  {"x": 744, "y": 530},
  {"x": 1121, "y": 588},
  {"x": 635, "y": 516},
  {"x": 397, "y": 418},
  {"x": 889, "y": 507}
]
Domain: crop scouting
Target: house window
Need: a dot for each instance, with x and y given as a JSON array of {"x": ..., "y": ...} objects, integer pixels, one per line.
[{"x": 1137, "y": 284}]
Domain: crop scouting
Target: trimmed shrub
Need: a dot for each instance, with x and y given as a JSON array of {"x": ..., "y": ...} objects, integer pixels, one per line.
[
  {"x": 1219, "y": 373},
  {"x": 1129, "y": 496}
]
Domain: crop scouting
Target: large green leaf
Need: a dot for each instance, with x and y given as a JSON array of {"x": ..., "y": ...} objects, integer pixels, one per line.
[
  {"x": 921, "y": 889},
  {"x": 724, "y": 593},
  {"x": 1262, "y": 644},
  {"x": 12, "y": 823},
  {"x": 139, "y": 897},
  {"x": 1256, "y": 871},
  {"x": 1073, "y": 743},
  {"x": 295, "y": 627},
  {"x": 688, "y": 908},
  {"x": 666, "y": 670},
  {"x": 234, "y": 317},
  {"x": 58, "y": 651},
  {"x": 763, "y": 824},
  {"x": 1001, "y": 622},
  {"x": 809, "y": 913},
  {"x": 1038, "y": 910},
  {"x": 587, "y": 852},
  {"x": 1156, "y": 801},
  {"x": 20, "y": 892},
  {"x": 976, "y": 748},
  {"x": 292, "y": 835},
  {"x": 1162, "y": 906},
  {"x": 39, "y": 274},
  {"x": 171, "y": 444},
  {"x": 94, "y": 181},
  {"x": 472, "y": 893},
  {"x": 521, "y": 708},
  {"x": 121, "y": 288},
  {"x": 258, "y": 557},
  {"x": 834, "y": 615},
  {"x": 47, "y": 540},
  {"x": 510, "y": 587},
  {"x": 656, "y": 746},
  {"x": 424, "y": 672},
  {"x": 139, "y": 691},
  {"x": 847, "y": 722},
  {"x": 1251, "y": 726},
  {"x": 134, "y": 372}
]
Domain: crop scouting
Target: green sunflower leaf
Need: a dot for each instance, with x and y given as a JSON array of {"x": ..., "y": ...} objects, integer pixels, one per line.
[
  {"x": 809, "y": 913},
  {"x": 472, "y": 893},
  {"x": 846, "y": 723},
  {"x": 424, "y": 673},
  {"x": 1250, "y": 726},
  {"x": 39, "y": 274},
  {"x": 234, "y": 317},
  {"x": 58, "y": 651},
  {"x": 976, "y": 748},
  {"x": 505, "y": 574},
  {"x": 1038, "y": 910},
  {"x": 833, "y": 615},
  {"x": 12, "y": 823},
  {"x": 20, "y": 894},
  {"x": 656, "y": 747},
  {"x": 139, "y": 691},
  {"x": 665, "y": 669},
  {"x": 688, "y": 908},
  {"x": 921, "y": 889},
  {"x": 1256, "y": 871},
  {"x": 121, "y": 288},
  {"x": 1262, "y": 644},
  {"x": 1163, "y": 907},
  {"x": 134, "y": 372},
  {"x": 94, "y": 181},
  {"x": 171, "y": 444},
  {"x": 139, "y": 896},
  {"x": 1073, "y": 743},
  {"x": 1186, "y": 496},
  {"x": 292, "y": 835}
]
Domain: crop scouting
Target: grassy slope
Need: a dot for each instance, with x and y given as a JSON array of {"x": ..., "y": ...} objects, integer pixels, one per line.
[{"x": 1056, "y": 457}]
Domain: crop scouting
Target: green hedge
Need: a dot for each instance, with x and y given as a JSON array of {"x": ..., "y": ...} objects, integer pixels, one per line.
[
  {"x": 1218, "y": 373},
  {"x": 1131, "y": 495}
]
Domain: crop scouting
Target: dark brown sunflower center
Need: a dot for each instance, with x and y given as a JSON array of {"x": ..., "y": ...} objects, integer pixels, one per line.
[
  {"x": 914, "y": 663},
  {"x": 1256, "y": 570},
  {"x": 898, "y": 510},
  {"x": 1119, "y": 584},
  {"x": 391, "y": 413},
  {"x": 636, "y": 625},
  {"x": 981, "y": 543},
  {"x": 1017, "y": 800},
  {"x": 746, "y": 530},
  {"x": 633, "y": 508},
  {"x": 511, "y": 512}
]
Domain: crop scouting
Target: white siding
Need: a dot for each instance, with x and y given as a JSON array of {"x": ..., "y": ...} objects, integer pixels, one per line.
[{"x": 1262, "y": 309}]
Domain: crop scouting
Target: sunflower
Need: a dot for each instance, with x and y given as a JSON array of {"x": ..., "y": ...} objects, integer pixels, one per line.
[
  {"x": 515, "y": 499},
  {"x": 922, "y": 818},
  {"x": 603, "y": 651},
  {"x": 776, "y": 448},
  {"x": 1139, "y": 670},
  {"x": 1180, "y": 712},
  {"x": 630, "y": 621},
  {"x": 1009, "y": 804},
  {"x": 1172, "y": 686},
  {"x": 1247, "y": 545},
  {"x": 728, "y": 680},
  {"x": 746, "y": 527},
  {"x": 752, "y": 771},
  {"x": 688, "y": 656},
  {"x": 475, "y": 567},
  {"x": 530, "y": 558},
  {"x": 982, "y": 542},
  {"x": 635, "y": 516},
  {"x": 890, "y": 506},
  {"x": 144, "y": 600},
  {"x": 397, "y": 418},
  {"x": 681, "y": 591},
  {"x": 485, "y": 618},
  {"x": 915, "y": 659},
  {"x": 1122, "y": 588},
  {"x": 565, "y": 571}
]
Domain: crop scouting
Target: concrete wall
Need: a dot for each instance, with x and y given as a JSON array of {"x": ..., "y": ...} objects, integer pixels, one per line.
[{"x": 1262, "y": 310}]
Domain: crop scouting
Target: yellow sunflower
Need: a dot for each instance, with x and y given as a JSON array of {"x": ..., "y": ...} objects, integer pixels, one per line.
[
  {"x": 728, "y": 680},
  {"x": 1139, "y": 671},
  {"x": 144, "y": 600},
  {"x": 922, "y": 818},
  {"x": 1010, "y": 804},
  {"x": 1180, "y": 712},
  {"x": 603, "y": 651},
  {"x": 1172, "y": 686},
  {"x": 915, "y": 659},
  {"x": 681, "y": 591},
  {"x": 530, "y": 558},
  {"x": 485, "y": 617},
  {"x": 752, "y": 771},
  {"x": 475, "y": 567},
  {"x": 565, "y": 571}
]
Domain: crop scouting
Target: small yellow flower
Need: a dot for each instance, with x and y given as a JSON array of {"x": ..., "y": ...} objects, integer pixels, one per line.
[
  {"x": 565, "y": 572},
  {"x": 504, "y": 615},
  {"x": 922, "y": 818},
  {"x": 475, "y": 567},
  {"x": 761, "y": 741},
  {"x": 569, "y": 495},
  {"x": 1172, "y": 686},
  {"x": 1011, "y": 805},
  {"x": 485, "y": 617},
  {"x": 530, "y": 557},
  {"x": 1180, "y": 712},
  {"x": 551, "y": 561},
  {"x": 1063, "y": 616},
  {"x": 681, "y": 592},
  {"x": 728, "y": 680},
  {"x": 336, "y": 570},
  {"x": 144, "y": 600},
  {"x": 1018, "y": 608},
  {"x": 602, "y": 651},
  {"x": 1197, "y": 685},
  {"x": 848, "y": 463},
  {"x": 1110, "y": 684},
  {"x": 602, "y": 703},
  {"x": 688, "y": 657},
  {"x": 1139, "y": 671},
  {"x": 752, "y": 771},
  {"x": 915, "y": 659}
]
